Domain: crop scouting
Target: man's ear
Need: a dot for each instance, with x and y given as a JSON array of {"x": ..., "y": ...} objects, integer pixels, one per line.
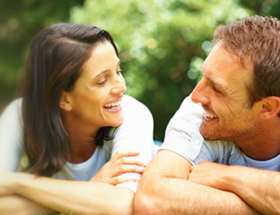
[
  {"x": 270, "y": 107},
  {"x": 64, "y": 102}
]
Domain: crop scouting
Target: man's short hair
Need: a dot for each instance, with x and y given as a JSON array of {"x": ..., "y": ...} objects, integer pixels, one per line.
[{"x": 258, "y": 39}]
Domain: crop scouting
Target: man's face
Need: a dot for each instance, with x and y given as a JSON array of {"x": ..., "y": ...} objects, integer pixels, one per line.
[{"x": 224, "y": 97}]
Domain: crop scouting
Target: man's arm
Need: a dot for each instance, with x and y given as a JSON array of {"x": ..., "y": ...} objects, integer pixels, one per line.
[
  {"x": 259, "y": 188},
  {"x": 164, "y": 189}
]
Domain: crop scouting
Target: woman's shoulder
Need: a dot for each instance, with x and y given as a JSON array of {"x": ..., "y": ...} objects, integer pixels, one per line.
[
  {"x": 13, "y": 109},
  {"x": 135, "y": 115},
  {"x": 132, "y": 106}
]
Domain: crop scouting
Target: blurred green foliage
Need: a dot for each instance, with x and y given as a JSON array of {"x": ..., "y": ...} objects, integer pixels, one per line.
[
  {"x": 162, "y": 43},
  {"x": 20, "y": 20}
]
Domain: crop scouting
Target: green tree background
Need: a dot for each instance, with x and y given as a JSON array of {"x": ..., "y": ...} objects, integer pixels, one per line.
[{"x": 162, "y": 43}]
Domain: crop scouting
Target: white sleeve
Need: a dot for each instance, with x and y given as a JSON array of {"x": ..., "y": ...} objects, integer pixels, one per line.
[
  {"x": 136, "y": 132},
  {"x": 11, "y": 136},
  {"x": 182, "y": 134}
]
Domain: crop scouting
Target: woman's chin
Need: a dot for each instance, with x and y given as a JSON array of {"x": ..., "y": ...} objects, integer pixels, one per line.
[{"x": 117, "y": 122}]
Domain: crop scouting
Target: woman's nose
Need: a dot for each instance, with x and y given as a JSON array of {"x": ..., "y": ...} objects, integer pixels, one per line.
[
  {"x": 119, "y": 86},
  {"x": 199, "y": 94}
]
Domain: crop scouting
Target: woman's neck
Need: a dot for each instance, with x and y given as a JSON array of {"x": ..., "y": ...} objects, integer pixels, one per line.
[
  {"x": 82, "y": 148},
  {"x": 82, "y": 140}
]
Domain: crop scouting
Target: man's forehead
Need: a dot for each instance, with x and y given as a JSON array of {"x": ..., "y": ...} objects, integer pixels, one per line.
[
  {"x": 220, "y": 54},
  {"x": 224, "y": 68}
]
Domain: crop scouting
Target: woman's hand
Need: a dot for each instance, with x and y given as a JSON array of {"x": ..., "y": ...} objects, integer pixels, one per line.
[{"x": 122, "y": 162}]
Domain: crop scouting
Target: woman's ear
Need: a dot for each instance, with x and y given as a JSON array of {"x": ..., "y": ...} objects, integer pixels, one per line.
[
  {"x": 270, "y": 107},
  {"x": 64, "y": 102}
]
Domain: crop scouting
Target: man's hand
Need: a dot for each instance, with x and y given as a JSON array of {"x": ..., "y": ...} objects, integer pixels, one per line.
[
  {"x": 211, "y": 174},
  {"x": 258, "y": 188}
]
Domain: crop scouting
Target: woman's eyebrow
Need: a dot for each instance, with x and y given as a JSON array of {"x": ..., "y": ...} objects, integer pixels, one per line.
[
  {"x": 101, "y": 73},
  {"x": 104, "y": 71}
]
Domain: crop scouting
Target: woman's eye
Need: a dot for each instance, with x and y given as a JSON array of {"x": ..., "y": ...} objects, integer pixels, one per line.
[
  {"x": 119, "y": 71},
  {"x": 102, "y": 82}
]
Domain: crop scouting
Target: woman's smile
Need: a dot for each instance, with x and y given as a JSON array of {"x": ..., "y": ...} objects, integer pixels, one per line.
[{"x": 114, "y": 105}]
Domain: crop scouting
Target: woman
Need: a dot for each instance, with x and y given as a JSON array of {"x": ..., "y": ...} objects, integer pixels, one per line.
[{"x": 77, "y": 125}]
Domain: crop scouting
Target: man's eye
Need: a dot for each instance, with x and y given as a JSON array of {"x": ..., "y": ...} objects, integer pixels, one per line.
[{"x": 215, "y": 89}]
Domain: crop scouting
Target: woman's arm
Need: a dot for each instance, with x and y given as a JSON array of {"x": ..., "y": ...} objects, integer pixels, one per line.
[
  {"x": 67, "y": 196},
  {"x": 42, "y": 194},
  {"x": 97, "y": 197},
  {"x": 17, "y": 205}
]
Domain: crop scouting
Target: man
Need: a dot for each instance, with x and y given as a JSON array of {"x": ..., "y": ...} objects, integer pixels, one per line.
[{"x": 210, "y": 172}]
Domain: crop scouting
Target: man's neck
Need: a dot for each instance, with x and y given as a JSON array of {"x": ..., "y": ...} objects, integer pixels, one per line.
[{"x": 261, "y": 146}]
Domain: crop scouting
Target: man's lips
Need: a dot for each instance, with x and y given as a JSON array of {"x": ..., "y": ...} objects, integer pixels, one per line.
[{"x": 208, "y": 117}]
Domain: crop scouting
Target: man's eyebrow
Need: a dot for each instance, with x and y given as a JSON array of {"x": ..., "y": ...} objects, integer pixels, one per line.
[{"x": 218, "y": 85}]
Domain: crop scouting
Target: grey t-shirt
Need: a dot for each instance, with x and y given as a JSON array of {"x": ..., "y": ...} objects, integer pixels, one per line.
[{"x": 182, "y": 136}]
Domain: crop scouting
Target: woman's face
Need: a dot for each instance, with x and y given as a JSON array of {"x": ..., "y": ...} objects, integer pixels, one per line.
[{"x": 96, "y": 98}]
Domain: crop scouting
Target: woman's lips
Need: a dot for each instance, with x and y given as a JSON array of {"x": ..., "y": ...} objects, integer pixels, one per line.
[{"x": 114, "y": 105}]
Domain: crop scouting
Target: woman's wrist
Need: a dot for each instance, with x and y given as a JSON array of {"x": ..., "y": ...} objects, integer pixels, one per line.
[
  {"x": 21, "y": 181},
  {"x": 8, "y": 183}
]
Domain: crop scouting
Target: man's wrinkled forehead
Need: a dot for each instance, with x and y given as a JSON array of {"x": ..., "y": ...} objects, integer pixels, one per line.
[{"x": 245, "y": 62}]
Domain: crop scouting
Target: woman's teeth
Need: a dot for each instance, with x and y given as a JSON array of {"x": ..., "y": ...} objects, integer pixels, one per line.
[{"x": 113, "y": 105}]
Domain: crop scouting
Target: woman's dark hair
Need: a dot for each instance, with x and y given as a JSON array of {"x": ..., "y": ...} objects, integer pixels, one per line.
[{"x": 54, "y": 64}]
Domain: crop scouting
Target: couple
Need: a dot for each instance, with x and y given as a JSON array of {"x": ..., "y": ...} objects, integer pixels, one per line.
[{"x": 78, "y": 125}]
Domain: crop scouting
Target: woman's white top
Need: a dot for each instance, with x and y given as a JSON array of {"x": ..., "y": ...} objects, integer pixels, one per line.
[{"x": 136, "y": 133}]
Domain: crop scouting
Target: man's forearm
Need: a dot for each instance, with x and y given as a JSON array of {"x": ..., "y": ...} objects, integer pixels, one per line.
[
  {"x": 259, "y": 188},
  {"x": 165, "y": 190},
  {"x": 189, "y": 198}
]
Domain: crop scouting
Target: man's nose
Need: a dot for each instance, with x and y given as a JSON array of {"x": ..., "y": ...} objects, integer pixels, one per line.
[{"x": 199, "y": 94}]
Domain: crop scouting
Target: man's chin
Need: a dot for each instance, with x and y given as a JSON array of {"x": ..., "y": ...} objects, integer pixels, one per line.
[{"x": 208, "y": 135}]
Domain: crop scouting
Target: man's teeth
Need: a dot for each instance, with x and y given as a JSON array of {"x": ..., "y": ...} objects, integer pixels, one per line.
[
  {"x": 113, "y": 105},
  {"x": 210, "y": 116}
]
